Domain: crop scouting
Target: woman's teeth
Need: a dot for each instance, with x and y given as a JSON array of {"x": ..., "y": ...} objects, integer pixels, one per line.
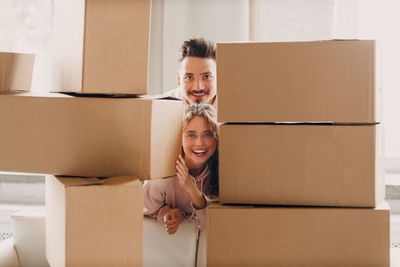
[{"x": 199, "y": 152}]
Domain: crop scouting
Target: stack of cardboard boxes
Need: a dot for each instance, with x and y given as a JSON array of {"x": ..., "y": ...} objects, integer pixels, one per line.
[
  {"x": 102, "y": 128},
  {"x": 300, "y": 156}
]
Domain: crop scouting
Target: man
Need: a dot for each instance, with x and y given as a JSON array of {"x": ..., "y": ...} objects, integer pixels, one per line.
[{"x": 197, "y": 73}]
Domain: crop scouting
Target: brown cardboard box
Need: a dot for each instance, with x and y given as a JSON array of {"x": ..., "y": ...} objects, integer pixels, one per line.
[
  {"x": 93, "y": 222},
  {"x": 16, "y": 71},
  {"x": 320, "y": 81},
  {"x": 104, "y": 48},
  {"x": 89, "y": 136},
  {"x": 294, "y": 164},
  {"x": 294, "y": 236}
]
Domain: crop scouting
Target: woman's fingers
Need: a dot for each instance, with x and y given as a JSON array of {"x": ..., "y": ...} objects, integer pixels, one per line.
[
  {"x": 170, "y": 222},
  {"x": 172, "y": 229},
  {"x": 181, "y": 166},
  {"x": 182, "y": 162},
  {"x": 180, "y": 170}
]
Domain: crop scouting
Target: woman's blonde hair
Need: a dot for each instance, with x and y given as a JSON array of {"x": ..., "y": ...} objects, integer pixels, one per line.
[
  {"x": 206, "y": 111},
  {"x": 209, "y": 113}
]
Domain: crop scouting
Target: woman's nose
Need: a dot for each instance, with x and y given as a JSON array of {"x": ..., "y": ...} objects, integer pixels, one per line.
[{"x": 199, "y": 141}]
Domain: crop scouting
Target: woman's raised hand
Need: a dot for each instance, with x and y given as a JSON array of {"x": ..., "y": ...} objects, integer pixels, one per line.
[
  {"x": 186, "y": 182},
  {"x": 185, "y": 179}
]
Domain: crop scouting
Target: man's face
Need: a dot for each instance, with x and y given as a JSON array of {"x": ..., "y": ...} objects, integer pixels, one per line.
[{"x": 197, "y": 79}]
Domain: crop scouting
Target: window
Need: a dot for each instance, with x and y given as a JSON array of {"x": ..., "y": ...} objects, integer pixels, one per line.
[{"x": 380, "y": 20}]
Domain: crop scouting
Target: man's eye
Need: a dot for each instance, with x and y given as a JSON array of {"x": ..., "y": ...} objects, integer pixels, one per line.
[
  {"x": 207, "y": 76},
  {"x": 188, "y": 77}
]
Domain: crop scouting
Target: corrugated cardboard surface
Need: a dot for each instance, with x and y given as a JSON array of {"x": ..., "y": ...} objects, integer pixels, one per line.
[
  {"x": 321, "y": 165},
  {"x": 104, "y": 49},
  {"x": 16, "y": 71},
  {"x": 94, "y": 224},
  {"x": 85, "y": 136},
  {"x": 290, "y": 236},
  {"x": 316, "y": 81}
]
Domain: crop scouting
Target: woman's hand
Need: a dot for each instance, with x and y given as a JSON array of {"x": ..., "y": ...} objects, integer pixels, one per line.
[
  {"x": 172, "y": 220},
  {"x": 185, "y": 179},
  {"x": 186, "y": 183}
]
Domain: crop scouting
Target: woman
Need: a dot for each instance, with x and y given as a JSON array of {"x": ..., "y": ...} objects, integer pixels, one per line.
[{"x": 187, "y": 194}]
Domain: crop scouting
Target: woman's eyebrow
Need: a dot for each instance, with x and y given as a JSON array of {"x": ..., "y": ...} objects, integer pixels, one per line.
[{"x": 190, "y": 131}]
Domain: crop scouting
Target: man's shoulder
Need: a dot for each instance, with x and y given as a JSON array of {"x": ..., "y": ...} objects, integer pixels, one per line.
[{"x": 177, "y": 93}]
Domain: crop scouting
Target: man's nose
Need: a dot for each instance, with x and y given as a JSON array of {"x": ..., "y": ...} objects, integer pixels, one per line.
[{"x": 198, "y": 84}]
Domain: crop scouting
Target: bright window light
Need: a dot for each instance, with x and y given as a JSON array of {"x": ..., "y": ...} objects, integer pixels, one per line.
[{"x": 380, "y": 20}]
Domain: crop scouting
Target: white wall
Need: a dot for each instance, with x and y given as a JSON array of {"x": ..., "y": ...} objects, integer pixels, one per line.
[
  {"x": 303, "y": 20},
  {"x": 218, "y": 20},
  {"x": 295, "y": 20},
  {"x": 25, "y": 27}
]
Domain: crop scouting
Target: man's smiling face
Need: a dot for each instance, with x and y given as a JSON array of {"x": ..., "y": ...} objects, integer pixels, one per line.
[{"x": 197, "y": 79}]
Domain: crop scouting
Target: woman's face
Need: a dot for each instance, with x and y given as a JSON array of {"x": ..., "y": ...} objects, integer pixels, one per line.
[{"x": 198, "y": 142}]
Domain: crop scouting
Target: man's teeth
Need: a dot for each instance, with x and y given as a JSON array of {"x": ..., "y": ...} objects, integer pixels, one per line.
[
  {"x": 198, "y": 94},
  {"x": 199, "y": 152}
]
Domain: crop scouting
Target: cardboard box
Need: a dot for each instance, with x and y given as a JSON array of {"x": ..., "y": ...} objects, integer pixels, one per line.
[
  {"x": 89, "y": 136},
  {"x": 104, "y": 48},
  {"x": 16, "y": 71},
  {"x": 294, "y": 164},
  {"x": 94, "y": 222},
  {"x": 294, "y": 236},
  {"x": 320, "y": 81}
]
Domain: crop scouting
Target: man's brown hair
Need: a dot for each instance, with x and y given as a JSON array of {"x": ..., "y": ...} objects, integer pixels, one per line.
[{"x": 198, "y": 47}]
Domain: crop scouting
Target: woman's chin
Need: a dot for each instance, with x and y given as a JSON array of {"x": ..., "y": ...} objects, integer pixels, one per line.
[{"x": 199, "y": 162}]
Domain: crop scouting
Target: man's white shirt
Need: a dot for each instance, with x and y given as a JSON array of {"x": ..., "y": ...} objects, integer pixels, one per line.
[{"x": 176, "y": 93}]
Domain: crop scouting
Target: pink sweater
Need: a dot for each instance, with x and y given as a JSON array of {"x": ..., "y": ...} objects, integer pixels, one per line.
[{"x": 161, "y": 195}]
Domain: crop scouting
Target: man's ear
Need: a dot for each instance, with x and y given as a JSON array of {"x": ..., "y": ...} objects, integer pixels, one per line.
[{"x": 179, "y": 78}]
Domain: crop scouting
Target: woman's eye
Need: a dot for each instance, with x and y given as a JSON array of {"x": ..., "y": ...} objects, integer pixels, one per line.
[
  {"x": 191, "y": 135},
  {"x": 208, "y": 134}
]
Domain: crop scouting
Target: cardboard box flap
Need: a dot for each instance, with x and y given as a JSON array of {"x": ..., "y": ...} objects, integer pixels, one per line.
[
  {"x": 88, "y": 95},
  {"x": 99, "y": 95},
  {"x": 118, "y": 180},
  {"x": 74, "y": 181},
  {"x": 217, "y": 205},
  {"x": 161, "y": 96},
  {"x": 298, "y": 42},
  {"x": 35, "y": 94}
]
